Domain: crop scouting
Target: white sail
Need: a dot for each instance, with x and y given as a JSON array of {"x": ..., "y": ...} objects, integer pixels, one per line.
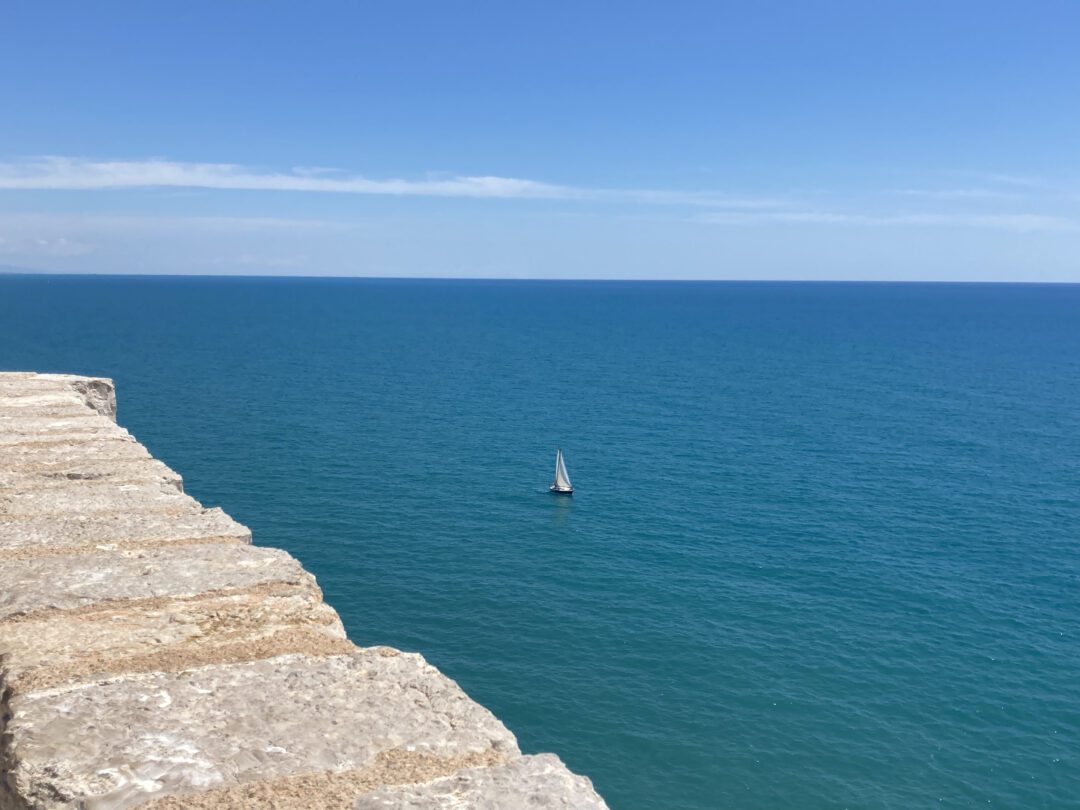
[{"x": 562, "y": 480}]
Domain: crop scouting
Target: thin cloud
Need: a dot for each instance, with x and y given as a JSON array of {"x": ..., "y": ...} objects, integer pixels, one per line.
[
  {"x": 259, "y": 260},
  {"x": 43, "y": 246},
  {"x": 1010, "y": 222},
  {"x": 151, "y": 223},
  {"x": 955, "y": 193},
  {"x": 1021, "y": 181},
  {"x": 73, "y": 174},
  {"x": 65, "y": 173}
]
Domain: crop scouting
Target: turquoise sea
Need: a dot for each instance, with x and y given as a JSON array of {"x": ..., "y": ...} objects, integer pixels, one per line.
[{"x": 824, "y": 550}]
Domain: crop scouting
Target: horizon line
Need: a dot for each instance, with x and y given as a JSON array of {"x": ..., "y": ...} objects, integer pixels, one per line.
[{"x": 287, "y": 277}]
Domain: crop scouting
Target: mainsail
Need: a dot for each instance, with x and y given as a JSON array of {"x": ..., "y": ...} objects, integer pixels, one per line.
[{"x": 562, "y": 480}]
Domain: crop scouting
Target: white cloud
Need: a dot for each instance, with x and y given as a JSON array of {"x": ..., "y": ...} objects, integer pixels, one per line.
[
  {"x": 60, "y": 235},
  {"x": 55, "y": 173},
  {"x": 136, "y": 224},
  {"x": 1022, "y": 181},
  {"x": 955, "y": 193},
  {"x": 1009, "y": 222},
  {"x": 71, "y": 173},
  {"x": 43, "y": 246},
  {"x": 258, "y": 260}
]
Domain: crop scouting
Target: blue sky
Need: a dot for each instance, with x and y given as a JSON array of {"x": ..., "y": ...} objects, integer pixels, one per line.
[{"x": 816, "y": 140}]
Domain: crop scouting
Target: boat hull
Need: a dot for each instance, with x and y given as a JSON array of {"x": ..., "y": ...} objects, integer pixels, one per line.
[{"x": 561, "y": 491}]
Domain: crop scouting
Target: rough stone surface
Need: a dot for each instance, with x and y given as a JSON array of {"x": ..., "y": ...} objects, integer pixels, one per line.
[
  {"x": 168, "y": 634},
  {"x": 77, "y": 581},
  {"x": 60, "y": 402},
  {"x": 329, "y": 790},
  {"x": 151, "y": 656},
  {"x": 96, "y": 393},
  {"x": 85, "y": 498},
  {"x": 105, "y": 531},
  {"x": 71, "y": 432},
  {"x": 89, "y": 470},
  {"x": 37, "y": 455},
  {"x": 127, "y": 741},
  {"x": 39, "y": 449},
  {"x": 540, "y": 782},
  {"x": 58, "y": 405},
  {"x": 86, "y": 426}
]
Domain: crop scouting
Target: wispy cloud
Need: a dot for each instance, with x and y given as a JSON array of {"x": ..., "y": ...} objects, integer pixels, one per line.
[
  {"x": 57, "y": 173},
  {"x": 29, "y": 221},
  {"x": 1010, "y": 222},
  {"x": 258, "y": 260},
  {"x": 71, "y": 173},
  {"x": 42, "y": 246},
  {"x": 979, "y": 205},
  {"x": 955, "y": 193},
  {"x": 1018, "y": 180}
]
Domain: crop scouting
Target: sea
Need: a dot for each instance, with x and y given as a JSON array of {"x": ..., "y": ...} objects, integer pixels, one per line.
[{"x": 823, "y": 549}]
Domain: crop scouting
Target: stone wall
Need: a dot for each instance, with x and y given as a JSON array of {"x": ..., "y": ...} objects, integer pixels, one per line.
[{"x": 152, "y": 657}]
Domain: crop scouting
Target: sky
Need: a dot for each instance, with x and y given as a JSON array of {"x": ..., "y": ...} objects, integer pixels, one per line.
[{"x": 663, "y": 140}]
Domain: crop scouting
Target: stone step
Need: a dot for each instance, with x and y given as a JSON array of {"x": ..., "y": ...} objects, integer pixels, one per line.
[
  {"x": 88, "y": 497},
  {"x": 115, "y": 744},
  {"x": 33, "y": 386},
  {"x": 329, "y": 790},
  {"x": 94, "y": 431},
  {"x": 170, "y": 635},
  {"x": 58, "y": 398},
  {"x": 70, "y": 581},
  {"x": 88, "y": 469},
  {"x": 23, "y": 381},
  {"x": 105, "y": 531},
  {"x": 34, "y": 454},
  {"x": 540, "y": 782},
  {"x": 97, "y": 393},
  {"x": 20, "y": 390},
  {"x": 48, "y": 405},
  {"x": 33, "y": 423}
]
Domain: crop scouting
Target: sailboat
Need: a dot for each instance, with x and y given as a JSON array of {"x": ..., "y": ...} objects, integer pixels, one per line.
[{"x": 561, "y": 485}]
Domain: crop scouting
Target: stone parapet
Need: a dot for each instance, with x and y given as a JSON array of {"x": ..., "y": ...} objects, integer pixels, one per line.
[{"x": 152, "y": 657}]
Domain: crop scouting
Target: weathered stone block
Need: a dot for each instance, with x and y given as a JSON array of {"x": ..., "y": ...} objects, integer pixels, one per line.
[
  {"x": 27, "y": 422},
  {"x": 115, "y": 744},
  {"x": 14, "y": 456},
  {"x": 107, "y": 531},
  {"x": 70, "y": 581},
  {"x": 69, "y": 433},
  {"x": 542, "y": 782},
  {"x": 85, "y": 498},
  {"x": 88, "y": 469},
  {"x": 168, "y": 635},
  {"x": 96, "y": 393}
]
